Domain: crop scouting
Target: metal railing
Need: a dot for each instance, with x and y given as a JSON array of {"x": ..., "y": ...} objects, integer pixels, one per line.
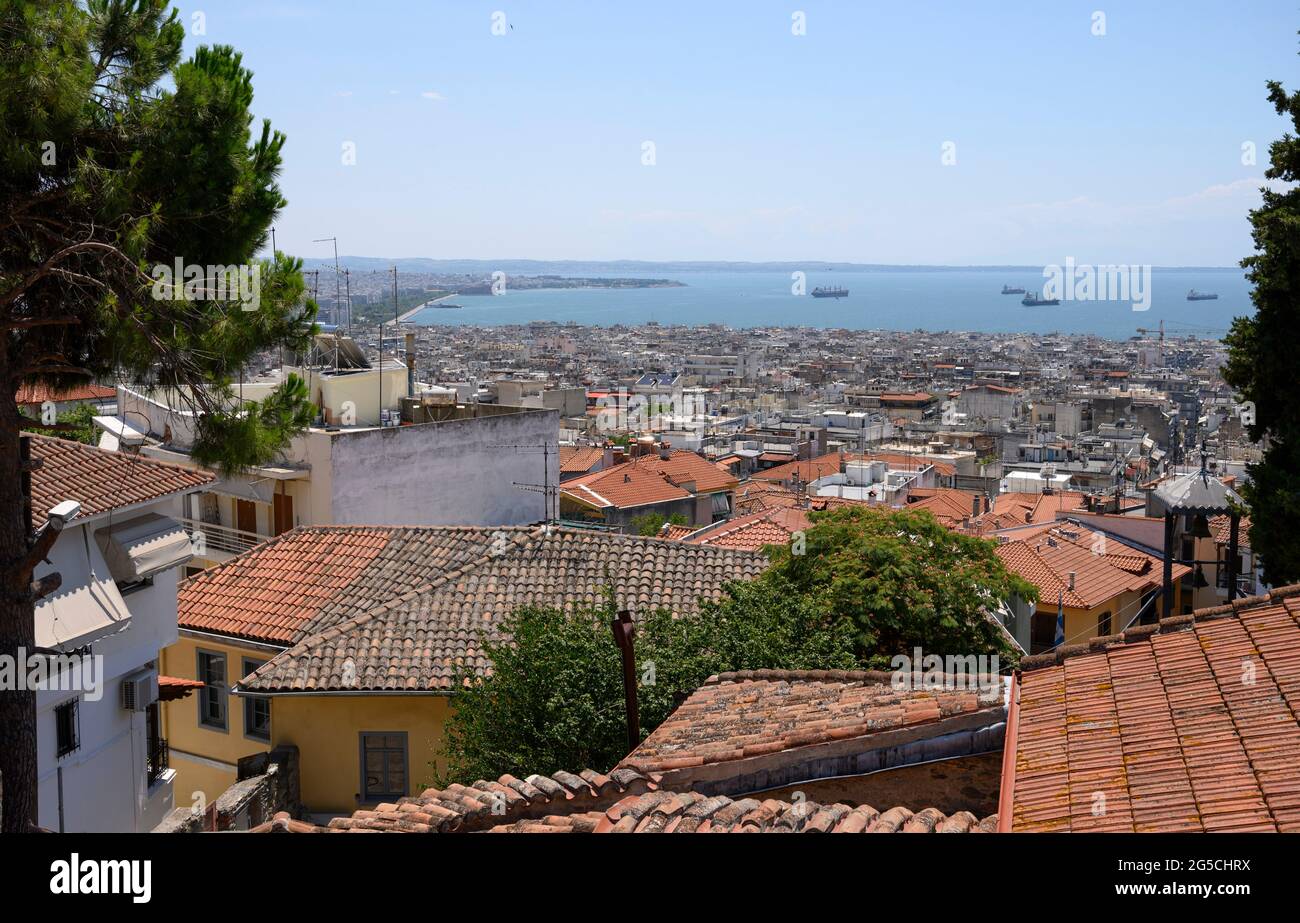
[
  {"x": 156, "y": 757},
  {"x": 211, "y": 536}
]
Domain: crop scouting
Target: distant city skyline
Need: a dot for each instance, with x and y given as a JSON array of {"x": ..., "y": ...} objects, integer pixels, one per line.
[{"x": 945, "y": 135}]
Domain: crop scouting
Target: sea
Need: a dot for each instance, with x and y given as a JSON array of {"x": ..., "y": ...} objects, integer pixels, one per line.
[{"x": 933, "y": 299}]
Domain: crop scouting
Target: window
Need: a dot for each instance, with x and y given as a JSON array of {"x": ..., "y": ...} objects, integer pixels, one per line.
[
  {"x": 67, "y": 728},
  {"x": 257, "y": 711},
  {"x": 212, "y": 697},
  {"x": 1103, "y": 624},
  {"x": 383, "y": 765}
]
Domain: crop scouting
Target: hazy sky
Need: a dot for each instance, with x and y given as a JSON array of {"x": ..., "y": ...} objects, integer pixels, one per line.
[{"x": 1124, "y": 147}]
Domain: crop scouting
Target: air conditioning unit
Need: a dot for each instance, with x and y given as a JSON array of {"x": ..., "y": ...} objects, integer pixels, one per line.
[{"x": 140, "y": 690}]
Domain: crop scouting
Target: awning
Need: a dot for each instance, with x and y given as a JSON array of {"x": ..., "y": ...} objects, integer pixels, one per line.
[
  {"x": 143, "y": 546},
  {"x": 171, "y": 688},
  {"x": 80, "y": 616},
  {"x": 120, "y": 429}
]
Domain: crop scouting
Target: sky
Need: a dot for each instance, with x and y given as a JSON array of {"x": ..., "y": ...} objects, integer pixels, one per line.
[{"x": 918, "y": 132}]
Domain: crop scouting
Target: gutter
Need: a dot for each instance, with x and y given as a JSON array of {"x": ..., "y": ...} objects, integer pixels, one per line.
[
  {"x": 1006, "y": 792},
  {"x": 233, "y": 640},
  {"x": 237, "y": 690}
]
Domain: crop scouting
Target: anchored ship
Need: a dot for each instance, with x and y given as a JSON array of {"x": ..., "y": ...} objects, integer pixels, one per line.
[
  {"x": 1032, "y": 300},
  {"x": 1194, "y": 295},
  {"x": 836, "y": 292},
  {"x": 1008, "y": 290}
]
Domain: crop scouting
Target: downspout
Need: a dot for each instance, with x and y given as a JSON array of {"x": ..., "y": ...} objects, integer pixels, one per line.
[{"x": 1007, "y": 790}]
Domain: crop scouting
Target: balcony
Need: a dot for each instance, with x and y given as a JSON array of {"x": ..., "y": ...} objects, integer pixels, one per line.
[
  {"x": 155, "y": 758},
  {"x": 217, "y": 542}
]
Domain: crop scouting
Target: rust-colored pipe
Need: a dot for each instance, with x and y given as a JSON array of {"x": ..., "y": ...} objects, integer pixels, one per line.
[
  {"x": 623, "y": 632},
  {"x": 1007, "y": 790}
]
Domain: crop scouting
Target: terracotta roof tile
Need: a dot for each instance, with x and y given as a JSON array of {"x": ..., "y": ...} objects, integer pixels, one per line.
[
  {"x": 38, "y": 393},
  {"x": 403, "y": 608},
  {"x": 1189, "y": 725},
  {"x": 738, "y": 715},
  {"x": 101, "y": 480}
]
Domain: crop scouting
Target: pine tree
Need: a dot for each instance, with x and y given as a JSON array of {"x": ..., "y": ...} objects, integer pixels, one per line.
[
  {"x": 117, "y": 158},
  {"x": 1262, "y": 365}
]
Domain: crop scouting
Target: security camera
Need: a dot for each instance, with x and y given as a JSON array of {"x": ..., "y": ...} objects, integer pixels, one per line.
[{"x": 64, "y": 513}]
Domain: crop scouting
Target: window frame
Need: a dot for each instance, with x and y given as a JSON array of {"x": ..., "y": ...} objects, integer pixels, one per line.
[
  {"x": 248, "y": 665},
  {"x": 222, "y": 688},
  {"x": 365, "y": 796},
  {"x": 74, "y": 727}
]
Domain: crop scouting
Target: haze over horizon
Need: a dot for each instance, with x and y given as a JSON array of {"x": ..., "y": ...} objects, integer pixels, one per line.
[{"x": 1123, "y": 147}]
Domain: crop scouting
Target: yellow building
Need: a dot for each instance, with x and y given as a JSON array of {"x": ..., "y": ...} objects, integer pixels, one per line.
[
  {"x": 362, "y": 630},
  {"x": 1101, "y": 584}
]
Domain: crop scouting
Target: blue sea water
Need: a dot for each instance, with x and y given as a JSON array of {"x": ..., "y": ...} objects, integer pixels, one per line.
[{"x": 885, "y": 299}]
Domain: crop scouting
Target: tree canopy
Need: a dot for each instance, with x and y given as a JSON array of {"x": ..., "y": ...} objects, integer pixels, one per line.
[
  {"x": 122, "y": 165},
  {"x": 1262, "y": 366},
  {"x": 869, "y": 584}
]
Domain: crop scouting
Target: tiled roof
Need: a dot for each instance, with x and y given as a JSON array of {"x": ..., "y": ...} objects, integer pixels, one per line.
[
  {"x": 575, "y": 459},
  {"x": 1038, "y": 507},
  {"x": 682, "y": 467},
  {"x": 38, "y": 393},
  {"x": 412, "y": 633},
  {"x": 1221, "y": 529},
  {"x": 689, "y": 812},
  {"x": 809, "y": 470},
  {"x": 752, "y": 496},
  {"x": 1047, "y": 559},
  {"x": 624, "y": 801},
  {"x": 624, "y": 486},
  {"x": 739, "y": 715},
  {"x": 947, "y": 504},
  {"x": 1187, "y": 725},
  {"x": 676, "y": 532},
  {"x": 101, "y": 481},
  {"x": 753, "y": 531}
]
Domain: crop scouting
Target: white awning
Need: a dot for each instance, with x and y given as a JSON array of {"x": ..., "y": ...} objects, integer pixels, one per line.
[
  {"x": 80, "y": 615},
  {"x": 143, "y": 546}
]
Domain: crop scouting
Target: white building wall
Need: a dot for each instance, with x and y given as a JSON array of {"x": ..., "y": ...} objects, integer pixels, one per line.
[{"x": 462, "y": 472}]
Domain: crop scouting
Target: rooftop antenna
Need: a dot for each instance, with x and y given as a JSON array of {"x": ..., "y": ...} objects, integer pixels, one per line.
[
  {"x": 338, "y": 298},
  {"x": 550, "y": 494}
]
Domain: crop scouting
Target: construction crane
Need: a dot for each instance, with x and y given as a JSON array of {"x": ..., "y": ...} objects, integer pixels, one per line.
[{"x": 1161, "y": 331}]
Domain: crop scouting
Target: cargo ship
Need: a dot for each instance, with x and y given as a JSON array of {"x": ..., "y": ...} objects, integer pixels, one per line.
[
  {"x": 1194, "y": 295},
  {"x": 1032, "y": 300},
  {"x": 836, "y": 292},
  {"x": 1008, "y": 290}
]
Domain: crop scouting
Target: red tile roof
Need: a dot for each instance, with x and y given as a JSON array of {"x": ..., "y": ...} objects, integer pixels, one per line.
[
  {"x": 905, "y": 461},
  {"x": 576, "y": 459},
  {"x": 625, "y": 801},
  {"x": 1188, "y": 725},
  {"x": 402, "y": 607},
  {"x": 101, "y": 481},
  {"x": 753, "y": 531},
  {"x": 649, "y": 480},
  {"x": 37, "y": 393},
  {"x": 736, "y": 716},
  {"x": 809, "y": 470}
]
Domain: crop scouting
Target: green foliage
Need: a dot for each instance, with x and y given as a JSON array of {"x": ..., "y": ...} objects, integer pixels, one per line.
[
  {"x": 119, "y": 158},
  {"x": 555, "y": 696},
  {"x": 75, "y": 424},
  {"x": 871, "y": 584},
  {"x": 649, "y": 524},
  {"x": 901, "y": 580},
  {"x": 1262, "y": 366}
]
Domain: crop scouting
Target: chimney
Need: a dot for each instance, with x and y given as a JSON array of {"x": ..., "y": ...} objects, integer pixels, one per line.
[
  {"x": 1071, "y": 583},
  {"x": 975, "y": 506},
  {"x": 665, "y": 450},
  {"x": 986, "y": 503}
]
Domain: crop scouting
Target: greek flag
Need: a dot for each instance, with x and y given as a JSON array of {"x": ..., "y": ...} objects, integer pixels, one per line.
[{"x": 1060, "y": 620}]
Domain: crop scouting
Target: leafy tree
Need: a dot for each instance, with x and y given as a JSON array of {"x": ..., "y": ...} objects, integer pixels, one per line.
[
  {"x": 555, "y": 696},
  {"x": 1262, "y": 366},
  {"x": 117, "y": 158},
  {"x": 76, "y": 424},
  {"x": 649, "y": 524},
  {"x": 902, "y": 581}
]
